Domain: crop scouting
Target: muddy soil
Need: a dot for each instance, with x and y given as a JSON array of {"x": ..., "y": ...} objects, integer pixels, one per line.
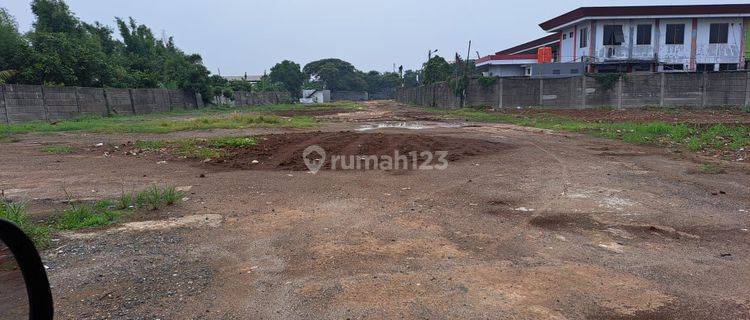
[
  {"x": 285, "y": 151},
  {"x": 529, "y": 224}
]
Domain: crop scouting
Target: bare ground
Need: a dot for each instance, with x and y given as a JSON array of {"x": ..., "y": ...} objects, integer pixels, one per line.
[{"x": 552, "y": 225}]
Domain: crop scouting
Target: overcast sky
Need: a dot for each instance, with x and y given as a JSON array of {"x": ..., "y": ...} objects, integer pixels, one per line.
[{"x": 250, "y": 36}]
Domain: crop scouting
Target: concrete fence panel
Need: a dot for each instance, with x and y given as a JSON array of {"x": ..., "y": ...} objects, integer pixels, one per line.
[
  {"x": 521, "y": 92},
  {"x": 349, "y": 96},
  {"x": 478, "y": 94},
  {"x": 161, "y": 100},
  {"x": 639, "y": 90},
  {"x": 176, "y": 99},
  {"x": 61, "y": 103},
  {"x": 559, "y": 92},
  {"x": 91, "y": 101},
  {"x": 725, "y": 89},
  {"x": 143, "y": 101},
  {"x": 118, "y": 101},
  {"x": 712, "y": 89},
  {"x": 24, "y": 103},
  {"x": 683, "y": 89}
]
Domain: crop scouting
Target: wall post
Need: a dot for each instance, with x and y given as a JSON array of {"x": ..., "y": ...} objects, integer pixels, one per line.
[
  {"x": 584, "y": 91},
  {"x": 704, "y": 88},
  {"x": 78, "y": 102},
  {"x": 500, "y": 92},
  {"x": 132, "y": 103},
  {"x": 662, "y": 78},
  {"x": 619, "y": 92},
  {"x": 747, "y": 90},
  {"x": 106, "y": 102},
  {"x": 44, "y": 105},
  {"x": 5, "y": 103},
  {"x": 541, "y": 92}
]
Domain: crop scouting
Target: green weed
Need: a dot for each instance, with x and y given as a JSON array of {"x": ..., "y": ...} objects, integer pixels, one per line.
[
  {"x": 155, "y": 198},
  {"x": 709, "y": 168},
  {"x": 16, "y": 213},
  {"x": 236, "y": 142},
  {"x": 181, "y": 120},
  {"x": 58, "y": 149},
  {"x": 695, "y": 137},
  {"x": 83, "y": 215}
]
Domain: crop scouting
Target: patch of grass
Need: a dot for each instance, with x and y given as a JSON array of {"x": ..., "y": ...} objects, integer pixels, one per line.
[
  {"x": 182, "y": 120},
  {"x": 152, "y": 198},
  {"x": 201, "y": 148},
  {"x": 16, "y": 213},
  {"x": 83, "y": 215},
  {"x": 58, "y": 149},
  {"x": 170, "y": 195},
  {"x": 709, "y": 168},
  {"x": 125, "y": 201},
  {"x": 236, "y": 142},
  {"x": 694, "y": 136}
]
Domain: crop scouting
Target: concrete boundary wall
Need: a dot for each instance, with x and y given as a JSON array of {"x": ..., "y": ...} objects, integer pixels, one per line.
[
  {"x": 23, "y": 103},
  {"x": 700, "y": 90},
  {"x": 349, "y": 96},
  {"x": 244, "y": 98}
]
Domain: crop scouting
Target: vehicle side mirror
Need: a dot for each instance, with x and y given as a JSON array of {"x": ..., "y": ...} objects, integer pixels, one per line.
[{"x": 24, "y": 287}]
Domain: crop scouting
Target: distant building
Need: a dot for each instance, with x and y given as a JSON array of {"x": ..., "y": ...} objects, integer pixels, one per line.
[
  {"x": 638, "y": 38},
  {"x": 654, "y": 38},
  {"x": 315, "y": 96},
  {"x": 248, "y": 78}
]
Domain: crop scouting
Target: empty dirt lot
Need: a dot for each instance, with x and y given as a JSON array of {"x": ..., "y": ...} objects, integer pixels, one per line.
[{"x": 523, "y": 224}]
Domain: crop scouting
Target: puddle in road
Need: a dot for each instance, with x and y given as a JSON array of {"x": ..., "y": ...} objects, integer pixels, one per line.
[{"x": 411, "y": 125}]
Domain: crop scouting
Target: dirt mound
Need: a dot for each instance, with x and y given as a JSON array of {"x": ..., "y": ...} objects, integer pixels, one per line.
[{"x": 285, "y": 151}]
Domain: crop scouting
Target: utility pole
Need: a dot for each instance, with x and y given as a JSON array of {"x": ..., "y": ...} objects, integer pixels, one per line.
[
  {"x": 466, "y": 76},
  {"x": 429, "y": 54}
]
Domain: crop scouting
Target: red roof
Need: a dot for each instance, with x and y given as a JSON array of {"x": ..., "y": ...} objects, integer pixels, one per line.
[
  {"x": 506, "y": 57},
  {"x": 555, "y": 37},
  {"x": 683, "y": 10}
]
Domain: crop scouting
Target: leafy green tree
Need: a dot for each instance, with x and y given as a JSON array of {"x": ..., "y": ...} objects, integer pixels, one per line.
[
  {"x": 289, "y": 74},
  {"x": 14, "y": 49},
  {"x": 378, "y": 82},
  {"x": 54, "y": 16},
  {"x": 336, "y": 74},
  {"x": 411, "y": 78},
  {"x": 266, "y": 84},
  {"x": 64, "y": 52},
  {"x": 436, "y": 70}
]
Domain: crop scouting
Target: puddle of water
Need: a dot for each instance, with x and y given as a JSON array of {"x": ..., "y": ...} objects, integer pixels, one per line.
[{"x": 406, "y": 125}]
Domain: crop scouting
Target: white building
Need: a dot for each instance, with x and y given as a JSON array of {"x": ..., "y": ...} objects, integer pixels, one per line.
[
  {"x": 315, "y": 96},
  {"x": 654, "y": 38}
]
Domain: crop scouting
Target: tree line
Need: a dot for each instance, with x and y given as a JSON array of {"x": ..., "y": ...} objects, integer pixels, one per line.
[{"x": 62, "y": 50}]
